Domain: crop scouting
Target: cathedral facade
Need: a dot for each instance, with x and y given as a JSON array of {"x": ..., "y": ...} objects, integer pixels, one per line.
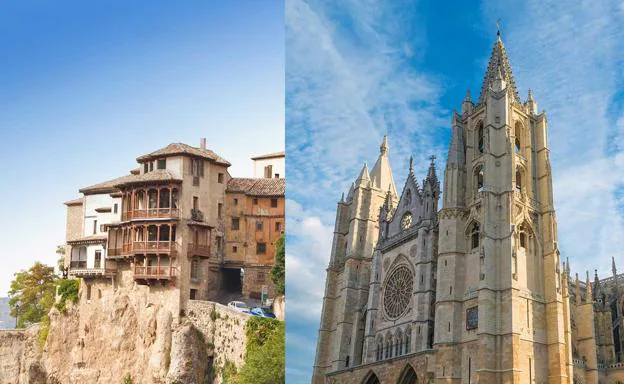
[{"x": 474, "y": 292}]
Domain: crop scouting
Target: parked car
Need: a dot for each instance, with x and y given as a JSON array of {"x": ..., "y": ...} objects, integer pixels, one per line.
[
  {"x": 238, "y": 306},
  {"x": 262, "y": 312}
]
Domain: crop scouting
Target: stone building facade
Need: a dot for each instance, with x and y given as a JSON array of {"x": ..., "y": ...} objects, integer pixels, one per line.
[
  {"x": 160, "y": 230},
  {"x": 473, "y": 292},
  {"x": 255, "y": 221}
]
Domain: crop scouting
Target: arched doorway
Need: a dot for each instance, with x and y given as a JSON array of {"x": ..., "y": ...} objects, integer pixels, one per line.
[
  {"x": 371, "y": 378},
  {"x": 408, "y": 376}
]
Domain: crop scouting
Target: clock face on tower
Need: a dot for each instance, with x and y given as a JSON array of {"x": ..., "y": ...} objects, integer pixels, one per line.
[{"x": 406, "y": 220}]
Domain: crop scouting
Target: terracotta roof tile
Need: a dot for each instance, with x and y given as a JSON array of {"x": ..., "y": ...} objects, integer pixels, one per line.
[
  {"x": 184, "y": 149},
  {"x": 156, "y": 175},
  {"x": 269, "y": 155},
  {"x": 105, "y": 187},
  {"x": 257, "y": 187}
]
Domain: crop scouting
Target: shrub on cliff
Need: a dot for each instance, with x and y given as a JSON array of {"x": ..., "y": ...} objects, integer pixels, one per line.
[
  {"x": 32, "y": 294},
  {"x": 264, "y": 356},
  {"x": 67, "y": 290},
  {"x": 278, "y": 271}
]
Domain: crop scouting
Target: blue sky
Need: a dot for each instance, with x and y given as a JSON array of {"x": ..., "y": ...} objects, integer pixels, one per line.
[
  {"x": 86, "y": 87},
  {"x": 360, "y": 69}
]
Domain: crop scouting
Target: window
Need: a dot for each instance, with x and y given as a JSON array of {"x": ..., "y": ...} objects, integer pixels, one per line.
[
  {"x": 103, "y": 228},
  {"x": 161, "y": 164},
  {"x": 518, "y": 180},
  {"x": 88, "y": 291},
  {"x": 219, "y": 243},
  {"x": 98, "y": 260},
  {"x": 522, "y": 240},
  {"x": 220, "y": 178},
  {"x": 197, "y": 167},
  {"x": 268, "y": 171},
  {"x": 115, "y": 207},
  {"x": 255, "y": 201},
  {"x": 235, "y": 224},
  {"x": 479, "y": 178},
  {"x": 480, "y": 140},
  {"x": 195, "y": 202},
  {"x": 259, "y": 226},
  {"x": 94, "y": 227},
  {"x": 474, "y": 235},
  {"x": 193, "y": 294},
  {"x": 219, "y": 209},
  {"x": 518, "y": 134},
  {"x": 235, "y": 201},
  {"x": 273, "y": 203},
  {"x": 151, "y": 165},
  {"x": 195, "y": 269},
  {"x": 145, "y": 168},
  {"x": 277, "y": 175},
  {"x": 260, "y": 248},
  {"x": 234, "y": 249},
  {"x": 278, "y": 226}
]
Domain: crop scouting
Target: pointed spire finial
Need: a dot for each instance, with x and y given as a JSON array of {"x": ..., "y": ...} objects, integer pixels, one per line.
[
  {"x": 468, "y": 97},
  {"x": 411, "y": 164},
  {"x": 498, "y": 33},
  {"x": 383, "y": 148},
  {"x": 568, "y": 266},
  {"x": 342, "y": 197},
  {"x": 613, "y": 266},
  {"x": 530, "y": 96}
]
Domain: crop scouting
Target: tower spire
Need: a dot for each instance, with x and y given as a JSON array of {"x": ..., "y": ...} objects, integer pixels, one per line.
[
  {"x": 381, "y": 174},
  {"x": 613, "y": 269},
  {"x": 498, "y": 62}
]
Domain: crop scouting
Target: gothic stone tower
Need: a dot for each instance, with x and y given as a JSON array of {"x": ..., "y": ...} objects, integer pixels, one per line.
[
  {"x": 341, "y": 332},
  {"x": 500, "y": 312}
]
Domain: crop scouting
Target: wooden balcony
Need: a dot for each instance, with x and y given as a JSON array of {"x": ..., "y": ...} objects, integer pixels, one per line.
[
  {"x": 79, "y": 269},
  {"x": 154, "y": 272},
  {"x": 151, "y": 213},
  {"x": 201, "y": 250},
  {"x": 143, "y": 247}
]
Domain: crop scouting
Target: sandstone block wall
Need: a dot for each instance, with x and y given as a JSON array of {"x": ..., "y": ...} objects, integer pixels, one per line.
[{"x": 224, "y": 331}]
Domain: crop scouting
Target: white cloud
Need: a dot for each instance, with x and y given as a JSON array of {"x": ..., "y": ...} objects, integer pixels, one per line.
[{"x": 346, "y": 89}]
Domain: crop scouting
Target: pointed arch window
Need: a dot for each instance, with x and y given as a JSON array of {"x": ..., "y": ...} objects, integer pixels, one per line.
[
  {"x": 518, "y": 135},
  {"x": 480, "y": 139},
  {"x": 408, "y": 336},
  {"x": 371, "y": 379},
  {"x": 518, "y": 180},
  {"x": 479, "y": 178},
  {"x": 474, "y": 235}
]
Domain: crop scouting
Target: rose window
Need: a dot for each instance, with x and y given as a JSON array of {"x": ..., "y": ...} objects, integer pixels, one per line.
[{"x": 398, "y": 292}]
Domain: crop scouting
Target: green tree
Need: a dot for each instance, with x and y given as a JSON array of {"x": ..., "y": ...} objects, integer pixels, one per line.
[
  {"x": 264, "y": 357},
  {"x": 32, "y": 294},
  {"x": 278, "y": 272}
]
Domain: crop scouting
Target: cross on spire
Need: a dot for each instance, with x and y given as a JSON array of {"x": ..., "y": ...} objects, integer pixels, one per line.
[
  {"x": 498, "y": 23},
  {"x": 432, "y": 158}
]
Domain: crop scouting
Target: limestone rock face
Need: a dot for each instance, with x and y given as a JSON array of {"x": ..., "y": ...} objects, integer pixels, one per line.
[
  {"x": 189, "y": 358},
  {"x": 122, "y": 333}
]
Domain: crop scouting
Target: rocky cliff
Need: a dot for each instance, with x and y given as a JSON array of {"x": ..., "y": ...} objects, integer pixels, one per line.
[{"x": 121, "y": 334}]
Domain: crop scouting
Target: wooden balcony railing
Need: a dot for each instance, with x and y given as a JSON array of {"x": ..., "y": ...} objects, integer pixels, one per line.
[
  {"x": 150, "y": 213},
  {"x": 160, "y": 247},
  {"x": 154, "y": 247},
  {"x": 202, "y": 250},
  {"x": 154, "y": 272},
  {"x": 79, "y": 269}
]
